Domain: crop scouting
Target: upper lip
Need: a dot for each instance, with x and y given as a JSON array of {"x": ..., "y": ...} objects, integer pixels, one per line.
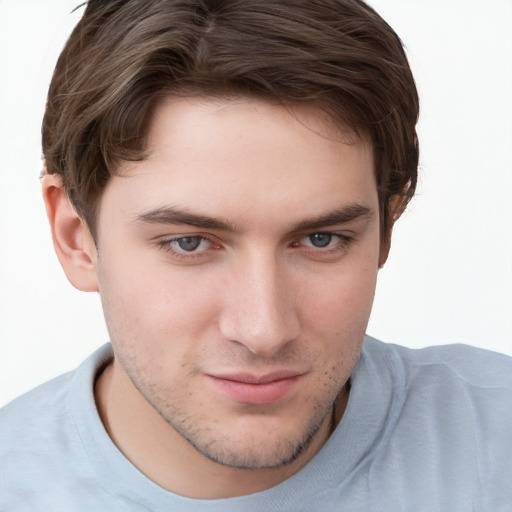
[{"x": 251, "y": 378}]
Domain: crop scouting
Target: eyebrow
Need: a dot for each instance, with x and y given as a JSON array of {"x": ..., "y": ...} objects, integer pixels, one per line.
[
  {"x": 343, "y": 215},
  {"x": 174, "y": 215}
]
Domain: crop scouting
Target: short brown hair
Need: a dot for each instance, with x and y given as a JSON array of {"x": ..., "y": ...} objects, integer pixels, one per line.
[{"x": 126, "y": 55}]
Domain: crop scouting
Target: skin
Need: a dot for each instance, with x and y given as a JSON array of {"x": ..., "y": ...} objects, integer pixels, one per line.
[{"x": 261, "y": 281}]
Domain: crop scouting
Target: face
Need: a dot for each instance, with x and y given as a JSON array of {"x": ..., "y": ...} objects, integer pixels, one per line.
[{"x": 237, "y": 267}]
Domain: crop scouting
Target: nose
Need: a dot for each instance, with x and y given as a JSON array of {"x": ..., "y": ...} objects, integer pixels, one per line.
[{"x": 259, "y": 307}]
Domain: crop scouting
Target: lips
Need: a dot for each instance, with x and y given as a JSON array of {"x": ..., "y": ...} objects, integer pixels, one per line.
[{"x": 246, "y": 388}]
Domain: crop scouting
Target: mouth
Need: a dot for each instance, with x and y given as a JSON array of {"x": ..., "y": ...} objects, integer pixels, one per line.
[{"x": 252, "y": 389}]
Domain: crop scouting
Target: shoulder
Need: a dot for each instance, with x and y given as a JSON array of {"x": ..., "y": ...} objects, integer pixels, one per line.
[
  {"x": 44, "y": 409},
  {"x": 464, "y": 386},
  {"x": 452, "y": 388},
  {"x": 33, "y": 412},
  {"x": 39, "y": 440},
  {"x": 455, "y": 413},
  {"x": 470, "y": 366},
  {"x": 34, "y": 429}
]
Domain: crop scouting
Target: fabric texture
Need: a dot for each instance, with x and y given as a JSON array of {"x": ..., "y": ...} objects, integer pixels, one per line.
[{"x": 424, "y": 430}]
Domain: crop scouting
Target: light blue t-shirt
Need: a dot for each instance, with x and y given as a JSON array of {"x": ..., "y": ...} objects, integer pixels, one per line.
[{"x": 424, "y": 430}]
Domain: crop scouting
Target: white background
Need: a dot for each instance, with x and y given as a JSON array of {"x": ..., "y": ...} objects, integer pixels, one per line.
[{"x": 449, "y": 277}]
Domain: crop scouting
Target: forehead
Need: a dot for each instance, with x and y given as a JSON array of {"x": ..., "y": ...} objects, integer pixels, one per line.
[
  {"x": 248, "y": 120},
  {"x": 245, "y": 157}
]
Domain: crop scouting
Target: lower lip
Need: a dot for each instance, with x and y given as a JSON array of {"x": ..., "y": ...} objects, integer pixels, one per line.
[{"x": 257, "y": 394}]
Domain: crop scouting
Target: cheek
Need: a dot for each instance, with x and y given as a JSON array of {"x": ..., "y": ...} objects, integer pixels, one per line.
[
  {"x": 152, "y": 304},
  {"x": 149, "y": 289},
  {"x": 337, "y": 318},
  {"x": 343, "y": 300}
]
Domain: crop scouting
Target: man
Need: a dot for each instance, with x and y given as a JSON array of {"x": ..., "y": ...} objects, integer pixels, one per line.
[{"x": 226, "y": 174}]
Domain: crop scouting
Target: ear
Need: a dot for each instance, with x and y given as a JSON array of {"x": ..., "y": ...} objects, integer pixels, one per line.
[
  {"x": 72, "y": 239},
  {"x": 396, "y": 207},
  {"x": 385, "y": 247}
]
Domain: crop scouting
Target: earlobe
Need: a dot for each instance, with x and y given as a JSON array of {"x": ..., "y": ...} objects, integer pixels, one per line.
[{"x": 72, "y": 240}]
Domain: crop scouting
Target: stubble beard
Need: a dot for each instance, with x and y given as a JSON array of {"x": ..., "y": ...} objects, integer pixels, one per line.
[
  {"x": 258, "y": 456},
  {"x": 249, "y": 449},
  {"x": 255, "y": 454}
]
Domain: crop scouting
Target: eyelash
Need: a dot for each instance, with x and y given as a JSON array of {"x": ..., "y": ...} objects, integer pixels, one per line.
[{"x": 335, "y": 246}]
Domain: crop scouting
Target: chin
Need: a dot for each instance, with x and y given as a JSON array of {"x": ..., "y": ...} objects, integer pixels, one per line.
[
  {"x": 241, "y": 449},
  {"x": 266, "y": 456}
]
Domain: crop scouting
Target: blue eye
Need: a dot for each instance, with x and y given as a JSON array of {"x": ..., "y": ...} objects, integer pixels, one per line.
[
  {"x": 325, "y": 244},
  {"x": 320, "y": 239},
  {"x": 188, "y": 247},
  {"x": 188, "y": 243}
]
